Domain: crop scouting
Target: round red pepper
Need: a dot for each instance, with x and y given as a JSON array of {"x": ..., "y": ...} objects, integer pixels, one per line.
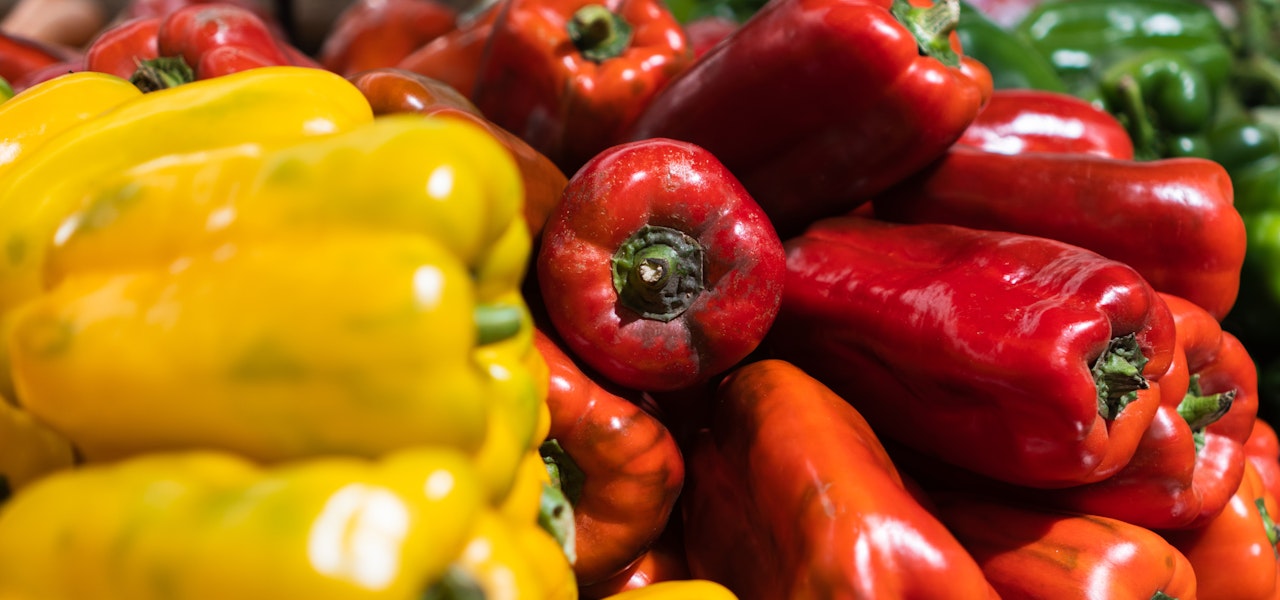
[
  {"x": 657, "y": 268},
  {"x": 119, "y": 49}
]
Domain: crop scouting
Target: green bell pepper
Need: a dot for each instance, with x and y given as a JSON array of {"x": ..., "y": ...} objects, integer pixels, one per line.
[{"x": 1164, "y": 100}]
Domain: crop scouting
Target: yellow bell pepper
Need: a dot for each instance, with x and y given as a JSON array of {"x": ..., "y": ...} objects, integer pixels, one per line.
[
  {"x": 350, "y": 294},
  {"x": 692, "y": 589},
  {"x": 205, "y": 525},
  {"x": 28, "y": 449},
  {"x": 258, "y": 105},
  {"x": 507, "y": 560}
]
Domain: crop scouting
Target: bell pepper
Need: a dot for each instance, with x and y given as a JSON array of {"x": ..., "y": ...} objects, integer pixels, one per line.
[
  {"x": 19, "y": 56},
  {"x": 570, "y": 76},
  {"x": 664, "y": 561},
  {"x": 29, "y": 450},
  {"x": 705, "y": 32},
  {"x": 619, "y": 467},
  {"x": 1083, "y": 38},
  {"x": 657, "y": 268},
  {"x": 1029, "y": 552},
  {"x": 693, "y": 589},
  {"x": 213, "y": 525},
  {"x": 1172, "y": 220},
  {"x": 1024, "y": 120},
  {"x": 372, "y": 34},
  {"x": 288, "y": 103},
  {"x": 1020, "y": 358},
  {"x": 298, "y": 290},
  {"x": 120, "y": 48},
  {"x": 1014, "y": 63},
  {"x": 1190, "y": 460},
  {"x": 1164, "y": 100},
  {"x": 791, "y": 495},
  {"x": 1262, "y": 450},
  {"x": 454, "y": 58},
  {"x": 874, "y": 90},
  {"x": 393, "y": 90},
  {"x": 506, "y": 559},
  {"x": 1235, "y": 556}
]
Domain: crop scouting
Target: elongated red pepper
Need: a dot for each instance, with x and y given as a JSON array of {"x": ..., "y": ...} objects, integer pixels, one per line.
[
  {"x": 20, "y": 57},
  {"x": 1025, "y": 120},
  {"x": 657, "y": 268},
  {"x": 392, "y": 90},
  {"x": 570, "y": 76},
  {"x": 1173, "y": 220},
  {"x": 371, "y": 34},
  {"x": 1029, "y": 552},
  {"x": 1262, "y": 449},
  {"x": 119, "y": 49},
  {"x": 455, "y": 57},
  {"x": 791, "y": 495},
  {"x": 1020, "y": 358},
  {"x": 619, "y": 467},
  {"x": 816, "y": 105},
  {"x": 1235, "y": 556}
]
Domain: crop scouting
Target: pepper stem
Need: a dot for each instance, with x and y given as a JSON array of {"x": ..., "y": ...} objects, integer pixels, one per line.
[
  {"x": 162, "y": 73},
  {"x": 599, "y": 33},
  {"x": 1117, "y": 375},
  {"x": 496, "y": 322},
  {"x": 1161, "y": 596},
  {"x": 555, "y": 514},
  {"x": 658, "y": 272},
  {"x": 1273, "y": 531},
  {"x": 931, "y": 26},
  {"x": 455, "y": 584}
]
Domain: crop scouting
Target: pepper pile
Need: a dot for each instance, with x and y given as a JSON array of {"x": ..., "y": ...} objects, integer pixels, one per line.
[{"x": 546, "y": 299}]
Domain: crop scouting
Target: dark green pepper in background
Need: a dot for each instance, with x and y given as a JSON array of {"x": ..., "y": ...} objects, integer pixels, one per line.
[
  {"x": 1013, "y": 62},
  {"x": 1164, "y": 100}
]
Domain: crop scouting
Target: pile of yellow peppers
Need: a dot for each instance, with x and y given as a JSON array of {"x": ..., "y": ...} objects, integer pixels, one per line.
[{"x": 258, "y": 343}]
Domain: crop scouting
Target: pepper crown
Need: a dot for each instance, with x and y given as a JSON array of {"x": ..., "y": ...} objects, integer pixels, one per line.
[
  {"x": 657, "y": 272},
  {"x": 1117, "y": 374},
  {"x": 932, "y": 27},
  {"x": 599, "y": 33}
]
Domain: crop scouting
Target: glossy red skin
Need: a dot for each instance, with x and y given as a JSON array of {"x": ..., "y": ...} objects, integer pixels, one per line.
[
  {"x": 664, "y": 561},
  {"x": 46, "y": 73},
  {"x": 391, "y": 90},
  {"x": 791, "y": 495},
  {"x": 1030, "y": 552},
  {"x": 20, "y": 57},
  {"x": 1262, "y": 449},
  {"x": 633, "y": 468},
  {"x": 671, "y": 184},
  {"x": 196, "y": 30},
  {"x": 706, "y": 32},
  {"x": 1232, "y": 556},
  {"x": 816, "y": 105},
  {"x": 1016, "y": 121},
  {"x": 973, "y": 347},
  {"x": 371, "y": 34},
  {"x": 454, "y": 58},
  {"x": 162, "y": 8},
  {"x": 1168, "y": 484},
  {"x": 120, "y": 48},
  {"x": 1173, "y": 220},
  {"x": 536, "y": 84}
]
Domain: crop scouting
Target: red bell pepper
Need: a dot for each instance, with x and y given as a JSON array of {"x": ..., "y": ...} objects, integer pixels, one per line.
[
  {"x": 816, "y": 105},
  {"x": 619, "y": 467},
  {"x": 20, "y": 57},
  {"x": 1235, "y": 555},
  {"x": 570, "y": 76},
  {"x": 119, "y": 49},
  {"x": 1024, "y": 120},
  {"x": 1024, "y": 359},
  {"x": 664, "y": 561},
  {"x": 1262, "y": 450},
  {"x": 1029, "y": 552},
  {"x": 371, "y": 34},
  {"x": 391, "y": 90},
  {"x": 134, "y": 9},
  {"x": 1173, "y": 220},
  {"x": 455, "y": 57},
  {"x": 657, "y": 268},
  {"x": 1190, "y": 460},
  {"x": 791, "y": 495}
]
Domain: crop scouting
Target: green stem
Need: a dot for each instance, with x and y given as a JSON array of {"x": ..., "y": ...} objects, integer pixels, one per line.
[
  {"x": 555, "y": 514},
  {"x": 162, "y": 73},
  {"x": 931, "y": 26},
  {"x": 658, "y": 272},
  {"x": 496, "y": 322},
  {"x": 1117, "y": 375},
  {"x": 1273, "y": 531},
  {"x": 599, "y": 33},
  {"x": 456, "y": 584}
]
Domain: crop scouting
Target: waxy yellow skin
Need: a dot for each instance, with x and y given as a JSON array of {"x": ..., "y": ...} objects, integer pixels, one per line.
[
  {"x": 213, "y": 526},
  {"x": 514, "y": 560},
  {"x": 692, "y": 589},
  {"x": 28, "y": 449},
  {"x": 288, "y": 300}
]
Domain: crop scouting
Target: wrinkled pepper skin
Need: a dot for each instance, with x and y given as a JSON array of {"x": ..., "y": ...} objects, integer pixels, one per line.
[
  {"x": 1190, "y": 460},
  {"x": 1262, "y": 449},
  {"x": 374, "y": 34},
  {"x": 1000, "y": 353},
  {"x": 394, "y": 90},
  {"x": 322, "y": 285},
  {"x": 204, "y": 35},
  {"x": 571, "y": 76},
  {"x": 865, "y": 106},
  {"x": 693, "y": 589},
  {"x": 29, "y": 450},
  {"x": 1017, "y": 120},
  {"x": 1031, "y": 553},
  {"x": 663, "y": 561},
  {"x": 1172, "y": 220},
  {"x": 1235, "y": 554},
  {"x": 626, "y": 468},
  {"x": 795, "y": 482},
  {"x": 209, "y": 525},
  {"x": 657, "y": 268}
]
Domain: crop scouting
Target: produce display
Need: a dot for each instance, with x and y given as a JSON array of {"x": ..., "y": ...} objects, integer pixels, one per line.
[{"x": 642, "y": 300}]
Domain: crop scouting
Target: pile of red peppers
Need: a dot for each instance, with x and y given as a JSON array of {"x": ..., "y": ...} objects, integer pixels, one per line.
[{"x": 825, "y": 315}]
